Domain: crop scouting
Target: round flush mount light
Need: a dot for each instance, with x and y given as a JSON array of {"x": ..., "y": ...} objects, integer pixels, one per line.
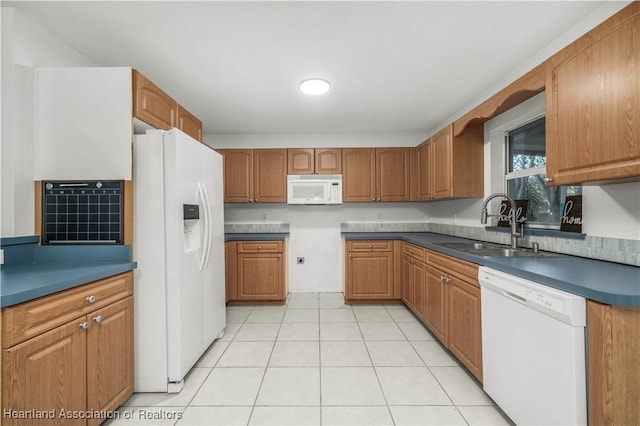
[{"x": 314, "y": 86}]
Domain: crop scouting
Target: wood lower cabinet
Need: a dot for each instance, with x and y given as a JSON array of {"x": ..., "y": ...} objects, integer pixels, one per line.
[
  {"x": 436, "y": 303},
  {"x": 593, "y": 104},
  {"x": 462, "y": 332},
  {"x": 369, "y": 270},
  {"x": 613, "y": 364},
  {"x": 53, "y": 362},
  {"x": 255, "y": 175},
  {"x": 256, "y": 271},
  {"x": 413, "y": 281}
]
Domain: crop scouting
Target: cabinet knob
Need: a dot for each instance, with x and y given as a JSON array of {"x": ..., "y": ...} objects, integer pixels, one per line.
[
  {"x": 547, "y": 180},
  {"x": 379, "y": 199},
  {"x": 442, "y": 278},
  {"x": 98, "y": 319},
  {"x": 251, "y": 200},
  {"x": 91, "y": 299},
  {"x": 370, "y": 246},
  {"x": 279, "y": 255},
  {"x": 373, "y": 199},
  {"x": 350, "y": 255},
  {"x": 84, "y": 325},
  {"x": 259, "y": 247}
]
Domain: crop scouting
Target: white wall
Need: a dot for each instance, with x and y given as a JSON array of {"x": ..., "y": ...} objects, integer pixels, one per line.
[{"x": 24, "y": 46}]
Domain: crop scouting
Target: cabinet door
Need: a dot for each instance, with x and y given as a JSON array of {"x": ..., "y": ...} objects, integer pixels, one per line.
[
  {"x": 189, "y": 123},
  {"x": 358, "y": 174},
  {"x": 238, "y": 175},
  {"x": 47, "y": 373},
  {"x": 407, "y": 282},
  {"x": 230, "y": 270},
  {"x": 424, "y": 171},
  {"x": 465, "y": 332},
  {"x": 442, "y": 164},
  {"x": 436, "y": 303},
  {"x": 328, "y": 161},
  {"x": 593, "y": 104},
  {"x": 270, "y": 175},
  {"x": 300, "y": 161},
  {"x": 152, "y": 105},
  {"x": 110, "y": 356},
  {"x": 369, "y": 276},
  {"x": 419, "y": 272},
  {"x": 260, "y": 276},
  {"x": 392, "y": 174}
]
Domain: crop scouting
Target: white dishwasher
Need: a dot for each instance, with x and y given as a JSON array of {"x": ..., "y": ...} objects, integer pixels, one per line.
[{"x": 533, "y": 350}]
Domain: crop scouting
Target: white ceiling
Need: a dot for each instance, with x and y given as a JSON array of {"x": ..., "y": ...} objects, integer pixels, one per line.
[{"x": 394, "y": 67}]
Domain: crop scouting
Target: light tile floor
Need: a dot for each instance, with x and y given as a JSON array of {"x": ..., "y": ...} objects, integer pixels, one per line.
[{"x": 317, "y": 361}]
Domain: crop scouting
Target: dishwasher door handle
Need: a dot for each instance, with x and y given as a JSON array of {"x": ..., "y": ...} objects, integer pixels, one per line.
[{"x": 515, "y": 297}]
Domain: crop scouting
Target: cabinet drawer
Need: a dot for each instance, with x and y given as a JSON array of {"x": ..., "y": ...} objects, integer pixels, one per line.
[
  {"x": 453, "y": 266},
  {"x": 29, "y": 319},
  {"x": 414, "y": 251},
  {"x": 260, "y": 247},
  {"x": 370, "y": 245}
]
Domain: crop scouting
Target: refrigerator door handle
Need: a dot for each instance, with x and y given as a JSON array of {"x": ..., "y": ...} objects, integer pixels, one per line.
[
  {"x": 209, "y": 217},
  {"x": 205, "y": 243}
]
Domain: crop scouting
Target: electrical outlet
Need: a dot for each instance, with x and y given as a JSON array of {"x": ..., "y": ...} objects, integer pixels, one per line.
[{"x": 300, "y": 260}]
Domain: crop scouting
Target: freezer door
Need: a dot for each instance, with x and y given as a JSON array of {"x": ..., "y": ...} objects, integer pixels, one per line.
[
  {"x": 185, "y": 244},
  {"x": 214, "y": 289}
]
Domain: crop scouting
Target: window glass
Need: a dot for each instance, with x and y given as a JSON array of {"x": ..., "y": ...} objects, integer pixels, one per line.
[{"x": 526, "y": 161}]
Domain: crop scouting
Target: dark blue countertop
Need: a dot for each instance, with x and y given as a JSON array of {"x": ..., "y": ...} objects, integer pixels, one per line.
[
  {"x": 263, "y": 236},
  {"x": 605, "y": 282},
  {"x": 31, "y": 271}
]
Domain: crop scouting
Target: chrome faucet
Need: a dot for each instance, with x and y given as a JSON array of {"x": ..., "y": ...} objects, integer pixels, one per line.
[{"x": 512, "y": 217}]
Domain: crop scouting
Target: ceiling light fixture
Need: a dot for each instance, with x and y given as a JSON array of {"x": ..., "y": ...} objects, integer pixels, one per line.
[{"x": 314, "y": 86}]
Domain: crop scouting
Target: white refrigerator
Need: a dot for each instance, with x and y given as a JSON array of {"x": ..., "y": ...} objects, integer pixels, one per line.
[{"x": 179, "y": 289}]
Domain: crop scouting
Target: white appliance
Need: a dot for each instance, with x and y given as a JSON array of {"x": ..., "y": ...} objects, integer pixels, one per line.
[
  {"x": 179, "y": 293},
  {"x": 314, "y": 189},
  {"x": 533, "y": 350}
]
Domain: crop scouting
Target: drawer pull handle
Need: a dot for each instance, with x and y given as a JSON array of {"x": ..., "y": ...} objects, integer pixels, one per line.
[
  {"x": 98, "y": 319},
  {"x": 84, "y": 325},
  {"x": 91, "y": 299},
  {"x": 259, "y": 247},
  {"x": 370, "y": 246}
]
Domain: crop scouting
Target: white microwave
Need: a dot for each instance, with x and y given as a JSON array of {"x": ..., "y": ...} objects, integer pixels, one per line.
[{"x": 314, "y": 189}]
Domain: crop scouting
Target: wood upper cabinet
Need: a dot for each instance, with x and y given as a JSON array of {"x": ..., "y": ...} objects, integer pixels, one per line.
[
  {"x": 328, "y": 161},
  {"x": 189, "y": 123},
  {"x": 450, "y": 166},
  {"x": 300, "y": 161},
  {"x": 376, "y": 174},
  {"x": 255, "y": 270},
  {"x": 75, "y": 358},
  {"x": 159, "y": 110},
  {"x": 369, "y": 270},
  {"x": 358, "y": 174},
  {"x": 593, "y": 104},
  {"x": 255, "y": 175},
  {"x": 424, "y": 169},
  {"x": 308, "y": 161},
  {"x": 238, "y": 175},
  {"x": 393, "y": 180},
  {"x": 270, "y": 175},
  {"x": 152, "y": 105}
]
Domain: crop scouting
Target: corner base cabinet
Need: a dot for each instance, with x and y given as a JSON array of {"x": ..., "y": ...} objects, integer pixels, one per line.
[
  {"x": 256, "y": 271},
  {"x": 70, "y": 352}
]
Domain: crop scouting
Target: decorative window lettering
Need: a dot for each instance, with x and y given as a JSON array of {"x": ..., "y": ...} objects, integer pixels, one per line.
[
  {"x": 505, "y": 213},
  {"x": 572, "y": 214}
]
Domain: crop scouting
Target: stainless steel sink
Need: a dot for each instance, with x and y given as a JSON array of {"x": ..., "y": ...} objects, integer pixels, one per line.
[{"x": 494, "y": 250}]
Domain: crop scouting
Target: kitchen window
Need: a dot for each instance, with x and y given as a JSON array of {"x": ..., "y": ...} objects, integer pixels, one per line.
[{"x": 525, "y": 171}]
